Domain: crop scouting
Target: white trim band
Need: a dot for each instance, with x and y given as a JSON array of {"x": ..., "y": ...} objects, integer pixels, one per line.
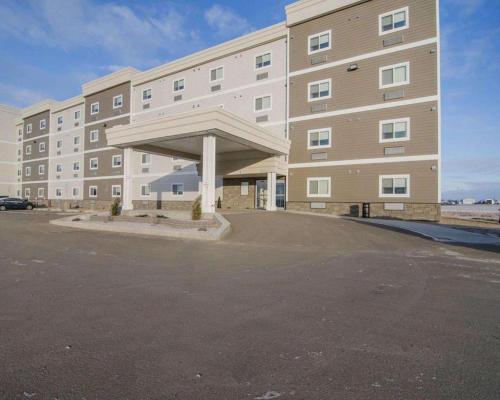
[{"x": 385, "y": 160}]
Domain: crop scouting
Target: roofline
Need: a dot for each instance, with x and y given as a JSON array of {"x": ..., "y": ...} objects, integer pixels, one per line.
[
  {"x": 63, "y": 105},
  {"x": 108, "y": 81},
  {"x": 304, "y": 10},
  {"x": 250, "y": 40},
  {"x": 37, "y": 108}
]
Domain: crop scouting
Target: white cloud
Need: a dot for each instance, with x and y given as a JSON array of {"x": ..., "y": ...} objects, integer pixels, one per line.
[{"x": 226, "y": 22}]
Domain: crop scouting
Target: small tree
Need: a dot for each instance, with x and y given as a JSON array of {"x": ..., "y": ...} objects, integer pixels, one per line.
[
  {"x": 196, "y": 210},
  {"x": 115, "y": 207}
]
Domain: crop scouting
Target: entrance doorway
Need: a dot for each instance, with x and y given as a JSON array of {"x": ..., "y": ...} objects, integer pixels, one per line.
[
  {"x": 280, "y": 194},
  {"x": 261, "y": 194}
]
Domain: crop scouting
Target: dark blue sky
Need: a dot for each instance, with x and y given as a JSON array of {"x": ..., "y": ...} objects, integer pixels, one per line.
[{"x": 49, "y": 47}]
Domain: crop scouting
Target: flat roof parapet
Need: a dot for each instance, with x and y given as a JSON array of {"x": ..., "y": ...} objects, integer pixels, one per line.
[
  {"x": 108, "y": 81},
  {"x": 304, "y": 10},
  {"x": 38, "y": 108}
]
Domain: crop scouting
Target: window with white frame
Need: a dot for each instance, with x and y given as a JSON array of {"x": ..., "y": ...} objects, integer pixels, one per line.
[
  {"x": 179, "y": 85},
  {"x": 76, "y": 166},
  {"x": 27, "y": 192},
  {"x": 394, "y": 186},
  {"x": 395, "y": 75},
  {"x": 394, "y": 21},
  {"x": 216, "y": 74},
  {"x": 320, "y": 90},
  {"x": 27, "y": 171},
  {"x": 116, "y": 161},
  {"x": 41, "y": 147},
  {"x": 147, "y": 94},
  {"x": 43, "y": 124},
  {"x": 59, "y": 144},
  {"x": 94, "y": 163},
  {"x": 177, "y": 189},
  {"x": 59, "y": 168},
  {"x": 146, "y": 190},
  {"x": 29, "y": 128},
  {"x": 28, "y": 149},
  {"x": 319, "y": 187},
  {"x": 263, "y": 61},
  {"x": 394, "y": 130},
  {"x": 58, "y": 192},
  {"x": 118, "y": 101},
  {"x": 92, "y": 191},
  {"x": 319, "y": 138},
  {"x": 41, "y": 169},
  {"x": 145, "y": 159},
  {"x": 41, "y": 192},
  {"x": 76, "y": 192},
  {"x": 263, "y": 103},
  {"x": 116, "y": 190},
  {"x": 94, "y": 135},
  {"x": 19, "y": 172},
  {"x": 19, "y": 152},
  {"x": 244, "y": 188},
  {"x": 320, "y": 42},
  {"x": 60, "y": 120},
  {"x": 77, "y": 115},
  {"x": 76, "y": 140},
  {"x": 94, "y": 108}
]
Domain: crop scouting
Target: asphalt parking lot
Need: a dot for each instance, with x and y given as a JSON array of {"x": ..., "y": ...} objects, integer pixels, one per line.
[{"x": 288, "y": 307}]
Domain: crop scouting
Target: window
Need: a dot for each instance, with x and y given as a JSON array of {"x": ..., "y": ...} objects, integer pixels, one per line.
[
  {"x": 59, "y": 167},
  {"x": 320, "y": 42},
  {"x": 41, "y": 147},
  {"x": 394, "y": 130},
  {"x": 58, "y": 192},
  {"x": 43, "y": 124},
  {"x": 177, "y": 189},
  {"x": 20, "y": 132},
  {"x": 263, "y": 61},
  {"x": 76, "y": 166},
  {"x": 179, "y": 85},
  {"x": 59, "y": 144},
  {"x": 19, "y": 172},
  {"x": 244, "y": 188},
  {"x": 60, "y": 120},
  {"x": 116, "y": 161},
  {"x": 116, "y": 190},
  {"x": 41, "y": 169},
  {"x": 145, "y": 190},
  {"x": 319, "y": 138},
  {"x": 146, "y": 95},
  {"x": 117, "y": 101},
  {"x": 94, "y": 135},
  {"x": 29, "y": 128},
  {"x": 28, "y": 149},
  {"x": 27, "y": 192},
  {"x": 77, "y": 115},
  {"x": 76, "y": 140},
  {"x": 217, "y": 74},
  {"x": 320, "y": 90},
  {"x": 145, "y": 159},
  {"x": 75, "y": 192},
  {"x": 263, "y": 103},
  {"x": 27, "y": 171},
  {"x": 394, "y": 186},
  {"x": 318, "y": 187},
  {"x": 94, "y": 163},
  {"x": 395, "y": 75},
  {"x": 94, "y": 108},
  {"x": 41, "y": 192},
  {"x": 393, "y": 21},
  {"x": 19, "y": 152},
  {"x": 92, "y": 191}
]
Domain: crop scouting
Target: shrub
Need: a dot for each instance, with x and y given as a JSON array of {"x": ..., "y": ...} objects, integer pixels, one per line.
[
  {"x": 219, "y": 203},
  {"x": 115, "y": 207},
  {"x": 196, "y": 211}
]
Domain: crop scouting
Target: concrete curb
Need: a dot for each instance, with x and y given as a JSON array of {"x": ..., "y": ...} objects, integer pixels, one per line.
[{"x": 144, "y": 229}]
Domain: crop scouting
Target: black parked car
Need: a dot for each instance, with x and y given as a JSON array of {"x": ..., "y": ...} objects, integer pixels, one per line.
[{"x": 11, "y": 203}]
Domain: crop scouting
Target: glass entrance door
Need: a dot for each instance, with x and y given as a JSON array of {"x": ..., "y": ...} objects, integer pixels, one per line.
[
  {"x": 261, "y": 194},
  {"x": 280, "y": 194}
]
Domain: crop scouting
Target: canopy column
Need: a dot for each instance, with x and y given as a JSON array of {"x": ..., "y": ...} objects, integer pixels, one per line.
[{"x": 208, "y": 178}]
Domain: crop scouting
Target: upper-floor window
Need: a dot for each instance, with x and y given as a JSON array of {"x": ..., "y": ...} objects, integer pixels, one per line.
[
  {"x": 147, "y": 94},
  {"x": 76, "y": 140},
  {"x": 58, "y": 192},
  {"x": 263, "y": 103},
  {"x": 59, "y": 167},
  {"x": 117, "y": 101},
  {"x": 394, "y": 21},
  {"x": 94, "y": 163},
  {"x": 94, "y": 108},
  {"x": 60, "y": 120},
  {"x": 77, "y": 115},
  {"x": 41, "y": 169},
  {"x": 116, "y": 161},
  {"x": 94, "y": 135},
  {"x": 394, "y": 186},
  {"x": 320, "y": 42},
  {"x": 395, "y": 75},
  {"x": 76, "y": 166},
  {"x": 146, "y": 190},
  {"x": 319, "y": 138},
  {"x": 179, "y": 85},
  {"x": 76, "y": 192},
  {"x": 59, "y": 144},
  {"x": 27, "y": 192},
  {"x": 43, "y": 124},
  {"x": 28, "y": 149},
  {"x": 394, "y": 130},
  {"x": 116, "y": 190},
  {"x": 319, "y": 187},
  {"x": 145, "y": 159},
  {"x": 29, "y": 128},
  {"x": 41, "y": 147},
  {"x": 217, "y": 74},
  {"x": 27, "y": 171},
  {"x": 263, "y": 61},
  {"x": 320, "y": 90},
  {"x": 41, "y": 192}
]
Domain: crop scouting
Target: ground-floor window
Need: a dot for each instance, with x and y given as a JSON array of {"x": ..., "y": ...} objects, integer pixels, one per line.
[
  {"x": 244, "y": 188},
  {"x": 178, "y": 189},
  {"x": 394, "y": 186},
  {"x": 319, "y": 187},
  {"x": 92, "y": 191},
  {"x": 58, "y": 192},
  {"x": 116, "y": 190},
  {"x": 146, "y": 190},
  {"x": 41, "y": 192},
  {"x": 27, "y": 192},
  {"x": 75, "y": 192}
]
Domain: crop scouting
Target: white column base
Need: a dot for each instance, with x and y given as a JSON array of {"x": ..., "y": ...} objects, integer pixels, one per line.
[
  {"x": 271, "y": 191},
  {"x": 127, "y": 203},
  {"x": 208, "y": 177}
]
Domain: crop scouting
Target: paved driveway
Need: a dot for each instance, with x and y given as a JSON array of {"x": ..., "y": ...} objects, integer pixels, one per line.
[{"x": 289, "y": 307}]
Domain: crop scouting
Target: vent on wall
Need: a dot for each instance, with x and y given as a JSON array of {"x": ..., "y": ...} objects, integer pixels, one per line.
[
  {"x": 262, "y": 76},
  {"x": 318, "y": 60},
  {"x": 319, "y": 156},
  {"x": 397, "y": 94},
  {"x": 318, "y": 206},
  {"x": 389, "y": 151},
  {"x": 216, "y": 88},
  {"x": 77, "y": 123},
  {"x": 145, "y": 170},
  {"x": 178, "y": 97},
  {"x": 262, "y": 118},
  {"x": 145, "y": 106},
  {"x": 318, "y": 108},
  {"x": 59, "y": 129},
  {"x": 393, "y": 40}
]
